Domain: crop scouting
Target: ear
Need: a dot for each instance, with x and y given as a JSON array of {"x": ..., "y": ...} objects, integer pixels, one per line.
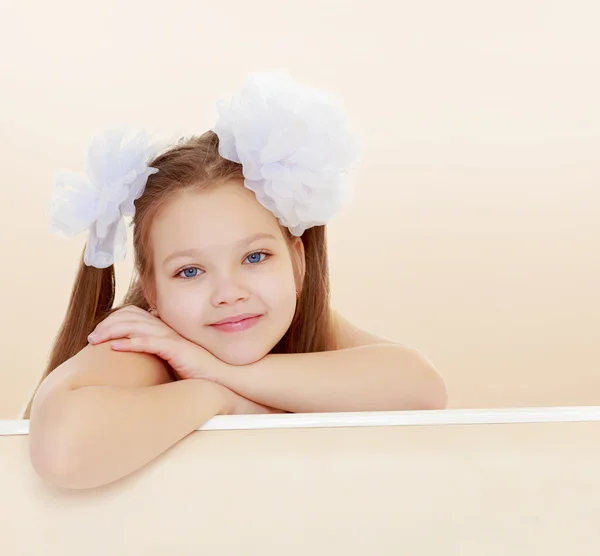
[{"x": 298, "y": 253}]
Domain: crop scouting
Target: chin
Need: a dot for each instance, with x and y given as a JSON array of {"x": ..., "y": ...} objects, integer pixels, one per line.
[{"x": 241, "y": 356}]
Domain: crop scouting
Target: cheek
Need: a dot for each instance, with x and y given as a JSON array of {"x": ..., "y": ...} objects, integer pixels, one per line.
[
  {"x": 180, "y": 307},
  {"x": 277, "y": 288},
  {"x": 280, "y": 300}
]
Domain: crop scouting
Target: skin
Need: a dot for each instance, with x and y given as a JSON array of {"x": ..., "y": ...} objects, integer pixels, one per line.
[{"x": 240, "y": 262}]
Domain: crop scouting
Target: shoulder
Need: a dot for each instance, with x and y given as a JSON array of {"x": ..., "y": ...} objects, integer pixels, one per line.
[
  {"x": 348, "y": 335},
  {"x": 100, "y": 365}
]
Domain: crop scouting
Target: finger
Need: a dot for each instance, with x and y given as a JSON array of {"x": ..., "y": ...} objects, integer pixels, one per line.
[
  {"x": 128, "y": 310},
  {"x": 125, "y": 316},
  {"x": 124, "y": 329},
  {"x": 144, "y": 344},
  {"x": 132, "y": 309},
  {"x": 138, "y": 310},
  {"x": 116, "y": 320}
]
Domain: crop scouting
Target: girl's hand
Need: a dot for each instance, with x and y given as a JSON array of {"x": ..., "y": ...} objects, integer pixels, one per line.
[{"x": 133, "y": 329}]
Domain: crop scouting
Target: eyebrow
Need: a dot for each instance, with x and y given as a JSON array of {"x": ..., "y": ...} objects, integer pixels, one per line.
[{"x": 239, "y": 244}]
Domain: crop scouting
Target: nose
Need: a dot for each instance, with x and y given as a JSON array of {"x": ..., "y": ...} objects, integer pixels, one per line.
[{"x": 228, "y": 290}]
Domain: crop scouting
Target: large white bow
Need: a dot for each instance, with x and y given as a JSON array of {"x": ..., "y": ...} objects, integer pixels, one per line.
[{"x": 116, "y": 175}]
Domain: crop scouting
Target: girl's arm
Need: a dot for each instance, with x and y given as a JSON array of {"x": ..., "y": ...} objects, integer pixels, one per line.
[
  {"x": 380, "y": 377},
  {"x": 366, "y": 373},
  {"x": 104, "y": 414}
]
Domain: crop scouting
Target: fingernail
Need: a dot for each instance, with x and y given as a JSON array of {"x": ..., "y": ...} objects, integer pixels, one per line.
[{"x": 92, "y": 338}]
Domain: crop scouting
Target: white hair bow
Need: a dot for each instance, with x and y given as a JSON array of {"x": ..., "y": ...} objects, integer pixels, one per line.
[
  {"x": 294, "y": 146},
  {"x": 98, "y": 201},
  {"x": 292, "y": 141}
]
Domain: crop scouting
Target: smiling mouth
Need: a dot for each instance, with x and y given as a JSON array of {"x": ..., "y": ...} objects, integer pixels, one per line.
[{"x": 237, "y": 325}]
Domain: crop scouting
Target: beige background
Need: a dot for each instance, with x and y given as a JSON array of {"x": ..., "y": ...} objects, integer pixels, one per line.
[{"x": 474, "y": 234}]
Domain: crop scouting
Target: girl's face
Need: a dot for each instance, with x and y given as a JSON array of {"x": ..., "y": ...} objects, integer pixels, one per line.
[{"x": 219, "y": 255}]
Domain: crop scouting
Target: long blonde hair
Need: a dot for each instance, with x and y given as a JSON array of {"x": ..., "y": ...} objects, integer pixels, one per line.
[{"x": 192, "y": 164}]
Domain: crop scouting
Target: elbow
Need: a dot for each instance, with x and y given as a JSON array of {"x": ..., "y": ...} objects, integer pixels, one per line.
[
  {"x": 56, "y": 454},
  {"x": 52, "y": 467},
  {"x": 54, "y": 462},
  {"x": 60, "y": 466},
  {"x": 432, "y": 391},
  {"x": 436, "y": 396},
  {"x": 428, "y": 397}
]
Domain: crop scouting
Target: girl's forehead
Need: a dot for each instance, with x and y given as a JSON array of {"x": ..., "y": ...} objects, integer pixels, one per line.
[
  {"x": 219, "y": 217},
  {"x": 229, "y": 199}
]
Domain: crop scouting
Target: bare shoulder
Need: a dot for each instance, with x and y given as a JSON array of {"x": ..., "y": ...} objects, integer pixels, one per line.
[
  {"x": 348, "y": 335},
  {"x": 99, "y": 365}
]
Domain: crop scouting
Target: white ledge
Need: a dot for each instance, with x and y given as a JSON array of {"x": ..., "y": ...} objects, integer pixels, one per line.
[{"x": 377, "y": 419}]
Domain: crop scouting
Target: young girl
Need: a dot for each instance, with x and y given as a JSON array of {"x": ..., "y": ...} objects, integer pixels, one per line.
[{"x": 228, "y": 311}]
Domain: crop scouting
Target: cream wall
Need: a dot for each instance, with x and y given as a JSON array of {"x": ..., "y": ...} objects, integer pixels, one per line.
[{"x": 474, "y": 234}]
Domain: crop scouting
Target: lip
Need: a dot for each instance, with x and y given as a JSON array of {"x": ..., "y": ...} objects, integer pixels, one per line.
[
  {"x": 237, "y": 323},
  {"x": 236, "y": 318}
]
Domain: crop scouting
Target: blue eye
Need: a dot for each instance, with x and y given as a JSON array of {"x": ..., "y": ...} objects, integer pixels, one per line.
[
  {"x": 256, "y": 257},
  {"x": 190, "y": 272}
]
